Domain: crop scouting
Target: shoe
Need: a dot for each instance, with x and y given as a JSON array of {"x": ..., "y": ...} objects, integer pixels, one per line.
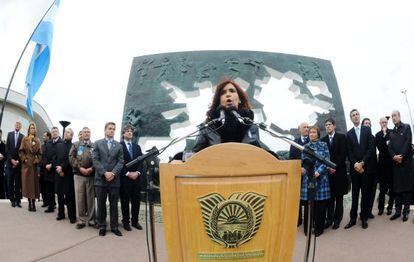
[
  {"x": 350, "y": 224},
  {"x": 405, "y": 218},
  {"x": 49, "y": 210},
  {"x": 80, "y": 225},
  {"x": 116, "y": 232},
  {"x": 328, "y": 224},
  {"x": 127, "y": 227},
  {"x": 18, "y": 204},
  {"x": 13, "y": 204},
  {"x": 44, "y": 205},
  {"x": 30, "y": 206},
  {"x": 371, "y": 216},
  {"x": 33, "y": 206},
  {"x": 137, "y": 226},
  {"x": 60, "y": 218},
  {"x": 318, "y": 233},
  {"x": 389, "y": 212},
  {"x": 380, "y": 212},
  {"x": 72, "y": 221},
  {"x": 335, "y": 226},
  {"x": 395, "y": 216},
  {"x": 102, "y": 232},
  {"x": 364, "y": 224}
]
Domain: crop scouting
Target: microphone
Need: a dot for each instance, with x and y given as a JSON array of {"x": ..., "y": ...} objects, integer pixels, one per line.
[
  {"x": 222, "y": 117},
  {"x": 242, "y": 120}
]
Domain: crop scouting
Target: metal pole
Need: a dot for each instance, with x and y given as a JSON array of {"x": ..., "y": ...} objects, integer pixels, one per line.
[
  {"x": 404, "y": 91},
  {"x": 18, "y": 62}
]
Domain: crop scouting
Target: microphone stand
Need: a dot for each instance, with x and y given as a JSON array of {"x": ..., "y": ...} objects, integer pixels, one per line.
[
  {"x": 309, "y": 164},
  {"x": 151, "y": 189}
]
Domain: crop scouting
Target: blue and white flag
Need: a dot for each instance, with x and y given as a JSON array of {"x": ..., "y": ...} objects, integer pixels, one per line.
[{"x": 39, "y": 64}]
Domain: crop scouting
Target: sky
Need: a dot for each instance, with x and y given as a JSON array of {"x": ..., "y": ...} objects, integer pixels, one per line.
[{"x": 370, "y": 45}]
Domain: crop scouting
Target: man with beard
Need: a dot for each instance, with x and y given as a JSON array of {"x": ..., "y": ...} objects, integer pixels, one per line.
[
  {"x": 295, "y": 153},
  {"x": 401, "y": 153},
  {"x": 338, "y": 179},
  {"x": 13, "y": 165},
  {"x": 228, "y": 97},
  {"x": 384, "y": 167},
  {"x": 49, "y": 161},
  {"x": 360, "y": 147},
  {"x": 65, "y": 188}
]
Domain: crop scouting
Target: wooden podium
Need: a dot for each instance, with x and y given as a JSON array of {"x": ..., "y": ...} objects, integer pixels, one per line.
[{"x": 233, "y": 202}]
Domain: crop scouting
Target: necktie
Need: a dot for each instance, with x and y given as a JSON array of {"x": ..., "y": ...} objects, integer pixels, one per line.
[
  {"x": 130, "y": 150},
  {"x": 109, "y": 144},
  {"x": 330, "y": 139},
  {"x": 16, "y": 136},
  {"x": 357, "y": 132}
]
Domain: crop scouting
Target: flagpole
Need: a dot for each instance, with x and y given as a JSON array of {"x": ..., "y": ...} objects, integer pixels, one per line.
[{"x": 18, "y": 62}]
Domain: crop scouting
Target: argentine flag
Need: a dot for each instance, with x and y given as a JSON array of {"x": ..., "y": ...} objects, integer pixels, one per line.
[{"x": 39, "y": 64}]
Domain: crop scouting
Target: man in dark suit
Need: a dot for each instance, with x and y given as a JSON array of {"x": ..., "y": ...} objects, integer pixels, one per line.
[
  {"x": 49, "y": 161},
  {"x": 338, "y": 180},
  {"x": 295, "y": 153},
  {"x": 402, "y": 155},
  {"x": 108, "y": 160},
  {"x": 14, "y": 167},
  {"x": 360, "y": 147},
  {"x": 384, "y": 167},
  {"x": 42, "y": 171},
  {"x": 65, "y": 188},
  {"x": 130, "y": 180},
  {"x": 3, "y": 157}
]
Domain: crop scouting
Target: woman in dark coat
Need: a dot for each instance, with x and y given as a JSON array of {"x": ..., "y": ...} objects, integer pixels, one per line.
[
  {"x": 401, "y": 153},
  {"x": 30, "y": 155},
  {"x": 228, "y": 97}
]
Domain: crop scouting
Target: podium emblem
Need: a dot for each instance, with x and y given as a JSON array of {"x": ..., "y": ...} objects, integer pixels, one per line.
[{"x": 234, "y": 221}]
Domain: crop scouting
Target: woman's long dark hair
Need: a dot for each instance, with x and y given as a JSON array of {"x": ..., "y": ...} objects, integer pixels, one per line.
[{"x": 244, "y": 99}]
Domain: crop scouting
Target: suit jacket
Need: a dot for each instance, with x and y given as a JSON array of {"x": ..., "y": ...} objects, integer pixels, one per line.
[
  {"x": 136, "y": 150},
  {"x": 363, "y": 151},
  {"x": 400, "y": 144},
  {"x": 337, "y": 151},
  {"x": 51, "y": 158},
  {"x": 295, "y": 153},
  {"x": 11, "y": 149},
  {"x": 66, "y": 185},
  {"x": 107, "y": 160},
  {"x": 3, "y": 152},
  {"x": 384, "y": 158}
]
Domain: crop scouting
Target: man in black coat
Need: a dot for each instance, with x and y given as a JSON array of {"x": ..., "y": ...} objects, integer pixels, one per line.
[
  {"x": 64, "y": 184},
  {"x": 49, "y": 162},
  {"x": 401, "y": 153},
  {"x": 295, "y": 153},
  {"x": 3, "y": 157},
  {"x": 42, "y": 171},
  {"x": 384, "y": 167},
  {"x": 130, "y": 180},
  {"x": 360, "y": 147},
  {"x": 338, "y": 180},
  {"x": 14, "y": 167}
]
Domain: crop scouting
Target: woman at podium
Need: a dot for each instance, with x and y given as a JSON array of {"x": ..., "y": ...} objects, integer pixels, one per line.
[
  {"x": 229, "y": 100},
  {"x": 322, "y": 193}
]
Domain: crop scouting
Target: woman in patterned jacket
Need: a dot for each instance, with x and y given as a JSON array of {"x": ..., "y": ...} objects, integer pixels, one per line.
[{"x": 322, "y": 190}]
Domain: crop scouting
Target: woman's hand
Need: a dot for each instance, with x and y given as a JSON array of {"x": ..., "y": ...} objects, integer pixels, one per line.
[
  {"x": 303, "y": 171},
  {"x": 317, "y": 174}
]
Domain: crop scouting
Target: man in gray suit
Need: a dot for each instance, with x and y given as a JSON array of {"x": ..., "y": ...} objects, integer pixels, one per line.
[{"x": 108, "y": 160}]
